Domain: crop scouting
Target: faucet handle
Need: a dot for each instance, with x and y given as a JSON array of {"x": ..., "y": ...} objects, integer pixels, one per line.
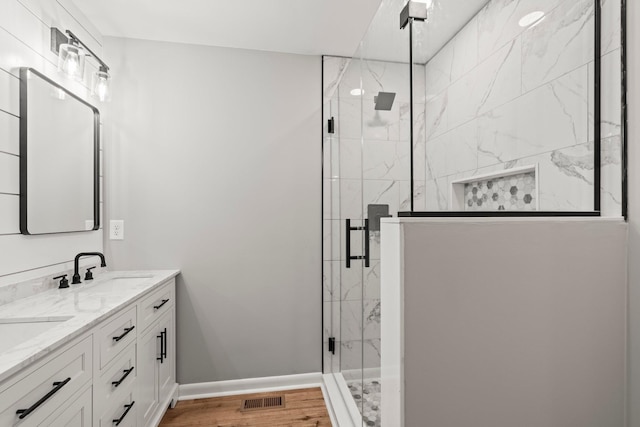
[
  {"x": 64, "y": 282},
  {"x": 89, "y": 274}
]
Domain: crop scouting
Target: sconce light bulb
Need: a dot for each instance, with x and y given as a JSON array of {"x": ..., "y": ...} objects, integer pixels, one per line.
[
  {"x": 71, "y": 61},
  {"x": 100, "y": 85}
]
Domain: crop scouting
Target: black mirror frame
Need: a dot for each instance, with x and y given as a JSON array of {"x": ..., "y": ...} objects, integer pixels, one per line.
[{"x": 24, "y": 72}]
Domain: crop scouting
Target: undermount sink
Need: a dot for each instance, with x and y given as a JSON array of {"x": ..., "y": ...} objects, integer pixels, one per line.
[{"x": 15, "y": 331}]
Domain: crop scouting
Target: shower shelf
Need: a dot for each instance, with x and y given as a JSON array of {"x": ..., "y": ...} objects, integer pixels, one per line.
[{"x": 477, "y": 193}]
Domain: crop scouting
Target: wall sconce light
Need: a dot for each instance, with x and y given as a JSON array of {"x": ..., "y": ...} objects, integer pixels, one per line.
[{"x": 71, "y": 58}]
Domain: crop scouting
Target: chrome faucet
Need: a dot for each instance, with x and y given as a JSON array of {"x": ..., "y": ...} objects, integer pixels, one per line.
[{"x": 76, "y": 273}]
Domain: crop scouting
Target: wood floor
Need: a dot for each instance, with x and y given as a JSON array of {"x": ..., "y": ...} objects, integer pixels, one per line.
[{"x": 303, "y": 408}]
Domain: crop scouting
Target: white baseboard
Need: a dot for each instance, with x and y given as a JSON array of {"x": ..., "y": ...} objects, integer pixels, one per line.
[{"x": 248, "y": 385}]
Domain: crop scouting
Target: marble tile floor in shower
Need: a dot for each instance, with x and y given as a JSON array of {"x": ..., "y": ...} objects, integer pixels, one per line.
[{"x": 367, "y": 397}]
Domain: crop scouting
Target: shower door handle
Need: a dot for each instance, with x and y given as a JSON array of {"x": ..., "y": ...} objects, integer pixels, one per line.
[{"x": 348, "y": 231}]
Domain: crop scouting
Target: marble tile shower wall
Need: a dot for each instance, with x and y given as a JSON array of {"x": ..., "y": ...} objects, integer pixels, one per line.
[
  {"x": 366, "y": 162},
  {"x": 500, "y": 96}
]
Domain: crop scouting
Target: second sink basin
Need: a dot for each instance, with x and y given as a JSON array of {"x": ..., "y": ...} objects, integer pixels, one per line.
[{"x": 15, "y": 331}]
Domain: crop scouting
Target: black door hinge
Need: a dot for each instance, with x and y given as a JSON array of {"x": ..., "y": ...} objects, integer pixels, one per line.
[
  {"x": 332, "y": 345},
  {"x": 331, "y": 125}
]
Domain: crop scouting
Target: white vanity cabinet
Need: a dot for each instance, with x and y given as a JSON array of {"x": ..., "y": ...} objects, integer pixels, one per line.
[
  {"x": 156, "y": 355},
  {"x": 118, "y": 372},
  {"x": 33, "y": 396}
]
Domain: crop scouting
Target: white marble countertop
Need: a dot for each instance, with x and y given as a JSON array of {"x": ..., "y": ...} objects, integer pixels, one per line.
[{"x": 85, "y": 305}]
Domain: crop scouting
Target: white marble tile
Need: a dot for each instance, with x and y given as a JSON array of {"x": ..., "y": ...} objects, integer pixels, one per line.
[
  {"x": 374, "y": 77},
  {"x": 437, "y": 195},
  {"x": 611, "y": 25},
  {"x": 331, "y": 157},
  {"x": 372, "y": 281},
  {"x": 349, "y": 119},
  {"x": 610, "y": 105},
  {"x": 419, "y": 81},
  {"x": 548, "y": 118},
  {"x": 333, "y": 68},
  {"x": 385, "y": 160},
  {"x": 351, "y": 320},
  {"x": 381, "y": 192},
  {"x": 494, "y": 82},
  {"x": 437, "y": 115},
  {"x": 351, "y": 353},
  {"x": 371, "y": 353},
  {"x": 419, "y": 115},
  {"x": 351, "y": 279},
  {"x": 380, "y": 125},
  {"x": 611, "y": 176},
  {"x": 562, "y": 42},
  {"x": 438, "y": 71},
  {"x": 456, "y": 151},
  {"x": 331, "y": 320},
  {"x": 350, "y": 158},
  {"x": 371, "y": 319},
  {"x": 498, "y": 22},
  {"x": 332, "y": 233},
  {"x": 350, "y": 198},
  {"x": 331, "y": 199},
  {"x": 330, "y": 280},
  {"x": 465, "y": 50},
  {"x": 419, "y": 193}
]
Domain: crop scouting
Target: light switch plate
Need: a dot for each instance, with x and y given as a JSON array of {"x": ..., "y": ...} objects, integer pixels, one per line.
[{"x": 116, "y": 229}]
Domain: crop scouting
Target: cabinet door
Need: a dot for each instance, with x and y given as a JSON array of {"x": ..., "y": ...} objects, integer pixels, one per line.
[
  {"x": 166, "y": 367},
  {"x": 78, "y": 414},
  {"x": 148, "y": 352}
]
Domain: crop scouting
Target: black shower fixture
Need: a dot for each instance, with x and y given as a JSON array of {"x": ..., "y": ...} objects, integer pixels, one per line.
[{"x": 384, "y": 100}]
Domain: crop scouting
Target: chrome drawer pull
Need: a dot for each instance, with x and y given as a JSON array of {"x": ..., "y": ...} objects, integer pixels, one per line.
[
  {"x": 124, "y": 414},
  {"x": 126, "y": 331},
  {"x": 126, "y": 374},
  {"x": 56, "y": 387}
]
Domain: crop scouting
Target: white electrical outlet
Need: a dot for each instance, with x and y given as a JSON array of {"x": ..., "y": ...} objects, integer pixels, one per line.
[{"x": 116, "y": 229}]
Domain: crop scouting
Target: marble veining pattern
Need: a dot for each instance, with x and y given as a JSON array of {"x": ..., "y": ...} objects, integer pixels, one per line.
[
  {"x": 528, "y": 99},
  {"x": 86, "y": 304}
]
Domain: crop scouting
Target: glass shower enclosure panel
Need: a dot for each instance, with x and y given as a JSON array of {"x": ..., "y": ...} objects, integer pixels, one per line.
[{"x": 367, "y": 158}]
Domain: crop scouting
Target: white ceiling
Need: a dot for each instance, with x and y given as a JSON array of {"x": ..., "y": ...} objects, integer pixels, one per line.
[{"x": 308, "y": 27}]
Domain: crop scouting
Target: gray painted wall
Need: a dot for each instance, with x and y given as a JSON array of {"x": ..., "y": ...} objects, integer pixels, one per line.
[
  {"x": 515, "y": 323},
  {"x": 214, "y": 165},
  {"x": 633, "y": 91}
]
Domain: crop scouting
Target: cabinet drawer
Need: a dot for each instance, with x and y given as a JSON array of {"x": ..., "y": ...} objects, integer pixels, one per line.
[
  {"x": 156, "y": 304},
  {"x": 76, "y": 414},
  {"x": 116, "y": 335},
  {"x": 122, "y": 412},
  {"x": 117, "y": 378},
  {"x": 44, "y": 388}
]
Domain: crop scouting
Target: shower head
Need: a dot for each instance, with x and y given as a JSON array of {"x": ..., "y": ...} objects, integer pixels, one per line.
[{"x": 384, "y": 100}]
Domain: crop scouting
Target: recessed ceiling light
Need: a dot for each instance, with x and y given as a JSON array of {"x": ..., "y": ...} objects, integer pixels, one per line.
[
  {"x": 531, "y": 19},
  {"x": 357, "y": 91}
]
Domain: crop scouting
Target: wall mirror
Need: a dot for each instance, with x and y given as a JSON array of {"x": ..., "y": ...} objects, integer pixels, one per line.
[{"x": 59, "y": 158}]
